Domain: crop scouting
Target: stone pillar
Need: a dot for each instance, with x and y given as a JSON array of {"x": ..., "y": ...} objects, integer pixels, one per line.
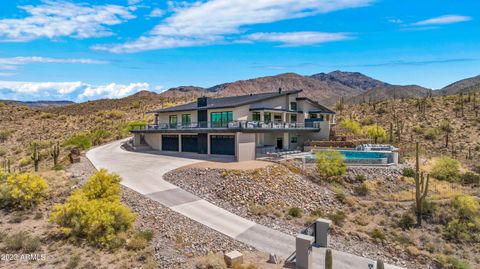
[
  {"x": 179, "y": 143},
  {"x": 262, "y": 116},
  {"x": 303, "y": 247},
  {"x": 136, "y": 140},
  {"x": 322, "y": 227},
  {"x": 284, "y": 117}
]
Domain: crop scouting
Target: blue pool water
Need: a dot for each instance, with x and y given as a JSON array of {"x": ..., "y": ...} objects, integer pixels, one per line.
[{"x": 362, "y": 157}]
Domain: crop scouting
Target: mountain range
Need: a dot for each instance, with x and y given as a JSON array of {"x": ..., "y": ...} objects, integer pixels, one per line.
[{"x": 326, "y": 88}]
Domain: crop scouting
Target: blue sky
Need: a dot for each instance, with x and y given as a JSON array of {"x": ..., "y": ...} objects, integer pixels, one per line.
[{"x": 85, "y": 50}]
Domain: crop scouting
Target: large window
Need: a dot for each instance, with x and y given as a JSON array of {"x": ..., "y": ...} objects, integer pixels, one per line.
[
  {"x": 186, "y": 119},
  {"x": 267, "y": 117},
  {"x": 256, "y": 116},
  {"x": 293, "y": 118},
  {"x": 221, "y": 119},
  {"x": 293, "y": 106},
  {"x": 173, "y": 121}
]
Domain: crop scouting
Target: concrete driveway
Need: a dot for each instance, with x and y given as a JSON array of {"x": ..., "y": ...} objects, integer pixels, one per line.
[{"x": 143, "y": 173}]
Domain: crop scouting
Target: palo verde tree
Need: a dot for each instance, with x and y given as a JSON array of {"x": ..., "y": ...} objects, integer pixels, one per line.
[
  {"x": 421, "y": 186},
  {"x": 375, "y": 131}
]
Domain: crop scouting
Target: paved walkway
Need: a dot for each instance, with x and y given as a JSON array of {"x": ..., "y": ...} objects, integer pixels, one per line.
[{"x": 143, "y": 173}]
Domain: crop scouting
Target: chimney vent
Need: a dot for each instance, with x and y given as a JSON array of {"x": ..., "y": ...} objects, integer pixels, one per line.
[
  {"x": 202, "y": 101},
  {"x": 279, "y": 90}
]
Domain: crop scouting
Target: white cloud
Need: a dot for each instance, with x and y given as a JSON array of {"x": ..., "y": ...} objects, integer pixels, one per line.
[
  {"x": 53, "y": 19},
  {"x": 13, "y": 62},
  {"x": 214, "y": 21},
  {"x": 446, "y": 19},
  {"x": 77, "y": 91},
  {"x": 156, "y": 13},
  {"x": 298, "y": 38},
  {"x": 113, "y": 90}
]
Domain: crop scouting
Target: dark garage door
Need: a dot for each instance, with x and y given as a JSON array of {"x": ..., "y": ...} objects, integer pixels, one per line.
[
  {"x": 189, "y": 143},
  {"x": 170, "y": 142},
  {"x": 222, "y": 144}
]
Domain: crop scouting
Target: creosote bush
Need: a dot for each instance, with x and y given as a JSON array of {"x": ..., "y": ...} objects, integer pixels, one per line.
[
  {"x": 295, "y": 212},
  {"x": 446, "y": 168},
  {"x": 408, "y": 172},
  {"x": 22, "y": 190},
  {"x": 95, "y": 211},
  {"x": 331, "y": 164}
]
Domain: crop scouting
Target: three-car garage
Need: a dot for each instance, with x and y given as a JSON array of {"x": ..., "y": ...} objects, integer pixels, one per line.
[{"x": 219, "y": 144}]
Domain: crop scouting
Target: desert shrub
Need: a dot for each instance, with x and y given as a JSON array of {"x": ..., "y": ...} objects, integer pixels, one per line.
[
  {"x": 211, "y": 261},
  {"x": 102, "y": 185},
  {"x": 5, "y": 196},
  {"x": 408, "y": 172},
  {"x": 82, "y": 141},
  {"x": 25, "y": 161},
  {"x": 331, "y": 164},
  {"x": 446, "y": 168},
  {"x": 99, "y": 136},
  {"x": 95, "y": 211},
  {"x": 351, "y": 126},
  {"x": 295, "y": 212},
  {"x": 3, "y": 152},
  {"x": 361, "y": 190},
  {"x": 431, "y": 134},
  {"x": 465, "y": 225},
  {"x": 470, "y": 178},
  {"x": 136, "y": 243},
  {"x": 457, "y": 264},
  {"x": 476, "y": 169},
  {"x": 4, "y": 135},
  {"x": 377, "y": 234},
  {"x": 375, "y": 132},
  {"x": 418, "y": 129},
  {"x": 338, "y": 218},
  {"x": 340, "y": 195},
  {"x": 406, "y": 222},
  {"x": 360, "y": 178},
  {"x": 22, "y": 241},
  {"x": 367, "y": 121},
  {"x": 145, "y": 234},
  {"x": 23, "y": 190}
]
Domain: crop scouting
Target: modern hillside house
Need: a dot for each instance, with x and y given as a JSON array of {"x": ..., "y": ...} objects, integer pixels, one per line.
[{"x": 246, "y": 126}]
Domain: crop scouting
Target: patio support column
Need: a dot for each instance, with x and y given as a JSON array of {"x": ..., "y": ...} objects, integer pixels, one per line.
[
  {"x": 286, "y": 140},
  {"x": 262, "y": 116},
  {"x": 156, "y": 119},
  {"x": 179, "y": 143}
]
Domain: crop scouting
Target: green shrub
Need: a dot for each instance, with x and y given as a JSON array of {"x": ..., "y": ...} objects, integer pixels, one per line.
[
  {"x": 406, "y": 222},
  {"x": 331, "y": 164},
  {"x": 431, "y": 134},
  {"x": 99, "y": 136},
  {"x": 340, "y": 195},
  {"x": 360, "y": 178},
  {"x": 24, "y": 190},
  {"x": 136, "y": 243},
  {"x": 145, "y": 234},
  {"x": 25, "y": 161},
  {"x": 295, "y": 212},
  {"x": 338, "y": 218},
  {"x": 418, "y": 129},
  {"x": 446, "y": 168},
  {"x": 457, "y": 264},
  {"x": 377, "y": 234},
  {"x": 95, "y": 211},
  {"x": 470, "y": 178},
  {"x": 465, "y": 225},
  {"x": 408, "y": 172},
  {"x": 82, "y": 141},
  {"x": 361, "y": 190}
]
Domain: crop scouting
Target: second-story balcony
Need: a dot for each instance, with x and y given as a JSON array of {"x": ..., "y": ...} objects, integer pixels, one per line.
[{"x": 230, "y": 126}]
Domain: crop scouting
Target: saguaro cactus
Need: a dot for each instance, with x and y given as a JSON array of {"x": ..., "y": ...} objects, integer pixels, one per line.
[
  {"x": 6, "y": 165},
  {"x": 55, "y": 153},
  {"x": 35, "y": 156},
  {"x": 328, "y": 259},
  {"x": 380, "y": 264},
  {"x": 421, "y": 186},
  {"x": 390, "y": 136}
]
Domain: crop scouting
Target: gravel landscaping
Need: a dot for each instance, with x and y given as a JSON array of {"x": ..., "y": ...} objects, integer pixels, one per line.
[
  {"x": 177, "y": 239},
  {"x": 265, "y": 195}
]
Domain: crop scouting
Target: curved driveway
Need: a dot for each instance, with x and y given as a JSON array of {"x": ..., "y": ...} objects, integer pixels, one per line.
[{"x": 143, "y": 173}]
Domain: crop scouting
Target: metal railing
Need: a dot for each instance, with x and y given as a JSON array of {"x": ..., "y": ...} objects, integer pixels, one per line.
[{"x": 226, "y": 125}]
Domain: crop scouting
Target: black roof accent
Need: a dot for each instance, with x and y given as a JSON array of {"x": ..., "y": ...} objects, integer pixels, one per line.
[
  {"x": 321, "y": 109},
  {"x": 226, "y": 102}
]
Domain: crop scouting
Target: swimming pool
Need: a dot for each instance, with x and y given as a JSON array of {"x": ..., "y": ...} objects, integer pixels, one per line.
[{"x": 361, "y": 157}]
